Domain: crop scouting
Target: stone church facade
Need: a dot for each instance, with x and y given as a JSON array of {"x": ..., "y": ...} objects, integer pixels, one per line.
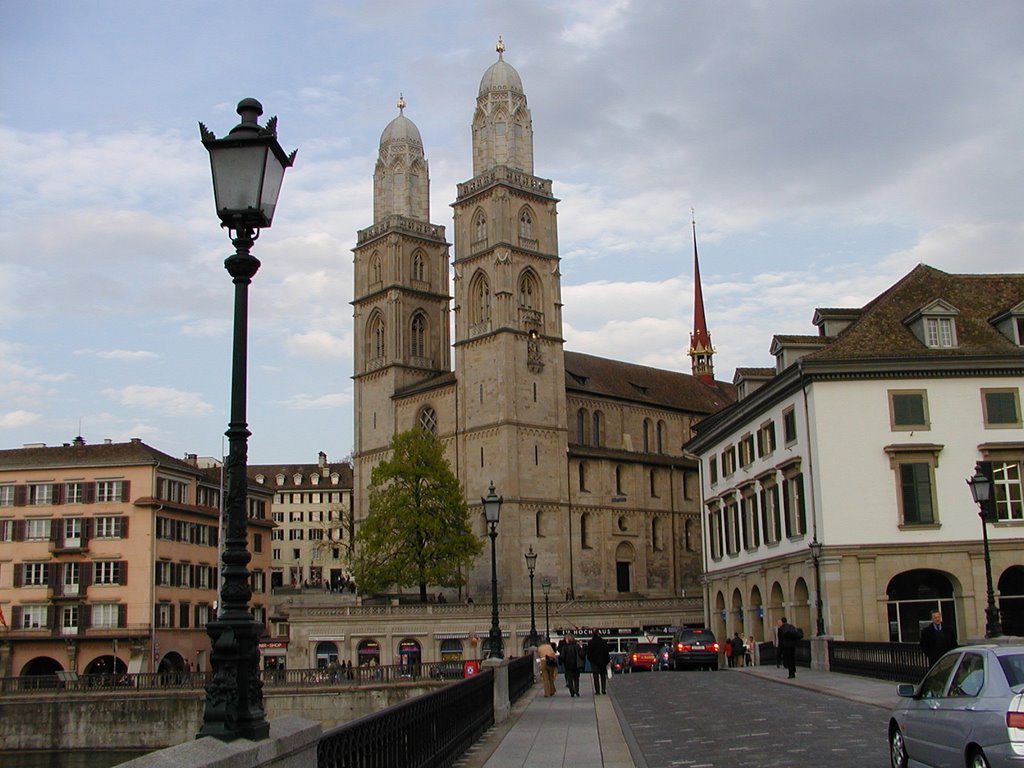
[{"x": 585, "y": 451}]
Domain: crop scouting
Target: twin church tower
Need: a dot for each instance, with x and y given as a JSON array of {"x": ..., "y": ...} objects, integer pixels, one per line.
[{"x": 585, "y": 451}]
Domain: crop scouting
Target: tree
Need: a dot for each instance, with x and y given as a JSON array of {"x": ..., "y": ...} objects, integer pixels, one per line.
[{"x": 417, "y": 530}]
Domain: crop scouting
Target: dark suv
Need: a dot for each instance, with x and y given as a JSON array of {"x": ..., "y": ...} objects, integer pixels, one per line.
[{"x": 695, "y": 648}]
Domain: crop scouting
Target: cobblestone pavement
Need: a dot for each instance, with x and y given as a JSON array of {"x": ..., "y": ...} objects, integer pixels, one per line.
[{"x": 728, "y": 719}]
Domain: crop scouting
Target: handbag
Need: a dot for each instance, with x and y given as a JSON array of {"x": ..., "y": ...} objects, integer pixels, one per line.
[{"x": 550, "y": 661}]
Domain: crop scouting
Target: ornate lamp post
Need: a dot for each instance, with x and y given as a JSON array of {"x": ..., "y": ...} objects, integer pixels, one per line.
[
  {"x": 248, "y": 167},
  {"x": 492, "y": 510},
  {"x": 816, "y": 546},
  {"x": 981, "y": 491},
  {"x": 545, "y": 587},
  {"x": 531, "y": 563}
]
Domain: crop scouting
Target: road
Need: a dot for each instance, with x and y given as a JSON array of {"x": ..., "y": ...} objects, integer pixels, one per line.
[{"x": 732, "y": 720}]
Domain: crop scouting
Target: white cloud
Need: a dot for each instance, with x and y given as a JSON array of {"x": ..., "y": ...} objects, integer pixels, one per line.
[
  {"x": 305, "y": 402},
  {"x": 118, "y": 354},
  {"x": 16, "y": 419},
  {"x": 167, "y": 400}
]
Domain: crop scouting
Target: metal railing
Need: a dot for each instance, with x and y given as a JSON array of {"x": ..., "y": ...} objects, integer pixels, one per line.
[
  {"x": 290, "y": 678},
  {"x": 521, "y": 676},
  {"x": 431, "y": 730},
  {"x": 899, "y": 662}
]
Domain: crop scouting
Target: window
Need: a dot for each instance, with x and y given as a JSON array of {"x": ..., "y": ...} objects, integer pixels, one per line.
[
  {"x": 165, "y": 528},
  {"x": 715, "y": 532},
  {"x": 581, "y": 428},
  {"x": 316, "y": 534},
  {"x": 595, "y": 429},
  {"x": 33, "y": 617},
  {"x": 105, "y": 615},
  {"x": 585, "y": 530},
  {"x": 277, "y": 534},
  {"x": 1001, "y": 408},
  {"x": 653, "y": 480},
  {"x": 582, "y": 470},
  {"x": 108, "y": 572},
  {"x": 619, "y": 486},
  {"x": 908, "y": 410},
  {"x": 172, "y": 490},
  {"x": 428, "y": 420},
  {"x": 729, "y": 461},
  {"x": 69, "y": 620},
  {"x": 713, "y": 469},
  {"x": 375, "y": 275},
  {"x": 202, "y": 615},
  {"x": 417, "y": 335},
  {"x": 295, "y": 534},
  {"x": 528, "y": 291},
  {"x": 481, "y": 301},
  {"x": 1009, "y": 491},
  {"x": 647, "y": 435},
  {"x": 746, "y": 447},
  {"x": 109, "y": 527},
  {"x": 377, "y": 338},
  {"x": 6, "y": 530},
  {"x": 480, "y": 227},
  {"x": 749, "y": 519},
  {"x": 771, "y": 522},
  {"x": 659, "y": 437},
  {"x": 40, "y": 493},
  {"x": 109, "y": 490},
  {"x": 789, "y": 425},
  {"x": 37, "y": 529},
  {"x": 73, "y": 492},
  {"x": 732, "y": 528},
  {"x": 295, "y": 516},
  {"x": 794, "y": 506},
  {"x": 939, "y": 332},
  {"x": 419, "y": 267},
  {"x": 35, "y": 574},
  {"x": 163, "y": 616},
  {"x": 766, "y": 439},
  {"x": 6, "y": 495},
  {"x": 916, "y": 494},
  {"x": 526, "y": 225}
]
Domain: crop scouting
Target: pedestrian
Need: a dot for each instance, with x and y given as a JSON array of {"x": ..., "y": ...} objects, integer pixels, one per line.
[
  {"x": 548, "y": 661},
  {"x": 778, "y": 648},
  {"x": 738, "y": 651},
  {"x": 937, "y": 638},
  {"x": 749, "y": 646},
  {"x": 599, "y": 656},
  {"x": 788, "y": 637},
  {"x": 573, "y": 661},
  {"x": 727, "y": 650}
]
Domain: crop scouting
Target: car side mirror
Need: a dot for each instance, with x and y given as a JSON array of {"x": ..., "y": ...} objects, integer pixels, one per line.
[{"x": 906, "y": 690}]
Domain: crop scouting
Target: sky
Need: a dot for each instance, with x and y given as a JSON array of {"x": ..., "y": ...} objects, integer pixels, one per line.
[{"x": 825, "y": 149}]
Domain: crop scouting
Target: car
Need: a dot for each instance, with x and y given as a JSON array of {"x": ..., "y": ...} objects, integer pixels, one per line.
[
  {"x": 968, "y": 710},
  {"x": 617, "y": 662},
  {"x": 695, "y": 647},
  {"x": 643, "y": 656}
]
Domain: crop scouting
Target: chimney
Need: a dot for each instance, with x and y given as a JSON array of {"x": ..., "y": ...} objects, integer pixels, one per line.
[{"x": 323, "y": 460}]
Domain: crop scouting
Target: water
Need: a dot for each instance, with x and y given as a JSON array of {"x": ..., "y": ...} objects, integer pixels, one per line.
[{"x": 85, "y": 759}]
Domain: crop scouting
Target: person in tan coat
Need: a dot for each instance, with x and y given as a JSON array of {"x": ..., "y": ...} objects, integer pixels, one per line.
[{"x": 548, "y": 661}]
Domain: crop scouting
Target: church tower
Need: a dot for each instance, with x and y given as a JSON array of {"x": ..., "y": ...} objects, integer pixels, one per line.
[
  {"x": 701, "y": 352},
  {"x": 508, "y": 330},
  {"x": 401, "y": 304}
]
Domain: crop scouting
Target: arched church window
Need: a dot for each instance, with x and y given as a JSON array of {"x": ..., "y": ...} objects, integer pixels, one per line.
[
  {"x": 417, "y": 336},
  {"x": 582, "y": 471},
  {"x": 526, "y": 224},
  {"x": 596, "y": 430},
  {"x": 581, "y": 426},
  {"x": 419, "y": 267},
  {"x": 375, "y": 276},
  {"x": 660, "y": 437},
  {"x": 527, "y": 290},
  {"x": 647, "y": 435},
  {"x": 428, "y": 419},
  {"x": 585, "y": 530},
  {"x": 481, "y": 300},
  {"x": 376, "y": 337}
]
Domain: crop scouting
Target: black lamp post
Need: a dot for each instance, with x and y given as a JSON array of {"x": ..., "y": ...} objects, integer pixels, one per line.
[
  {"x": 248, "y": 166},
  {"x": 815, "y": 546},
  {"x": 492, "y": 510},
  {"x": 545, "y": 587},
  {"x": 981, "y": 490},
  {"x": 531, "y": 563}
]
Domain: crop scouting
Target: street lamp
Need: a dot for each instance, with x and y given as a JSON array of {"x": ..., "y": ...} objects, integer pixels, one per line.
[
  {"x": 981, "y": 491},
  {"x": 531, "y": 563},
  {"x": 248, "y": 166},
  {"x": 492, "y": 510},
  {"x": 816, "y": 546},
  {"x": 545, "y": 587}
]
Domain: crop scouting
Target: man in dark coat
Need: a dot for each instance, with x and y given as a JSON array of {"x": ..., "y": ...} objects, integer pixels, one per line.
[
  {"x": 788, "y": 637},
  {"x": 598, "y": 656},
  {"x": 573, "y": 661},
  {"x": 937, "y": 638}
]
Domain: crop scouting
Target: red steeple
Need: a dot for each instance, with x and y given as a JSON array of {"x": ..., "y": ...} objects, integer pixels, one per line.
[{"x": 701, "y": 350}]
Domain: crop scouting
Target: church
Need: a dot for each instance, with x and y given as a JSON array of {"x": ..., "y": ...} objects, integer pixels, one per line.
[{"x": 586, "y": 452}]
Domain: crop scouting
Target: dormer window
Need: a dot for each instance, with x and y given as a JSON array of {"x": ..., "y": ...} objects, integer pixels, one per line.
[
  {"x": 935, "y": 325},
  {"x": 1011, "y": 324}
]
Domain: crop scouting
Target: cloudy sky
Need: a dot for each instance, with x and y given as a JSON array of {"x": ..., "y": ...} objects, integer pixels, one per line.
[{"x": 827, "y": 148}]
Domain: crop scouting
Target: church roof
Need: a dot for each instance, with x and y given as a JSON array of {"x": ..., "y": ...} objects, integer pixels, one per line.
[
  {"x": 401, "y": 128},
  {"x": 588, "y": 374},
  {"x": 500, "y": 76}
]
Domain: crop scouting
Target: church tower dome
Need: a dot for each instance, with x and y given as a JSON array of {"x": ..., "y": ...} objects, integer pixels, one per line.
[
  {"x": 401, "y": 183},
  {"x": 502, "y": 125},
  {"x": 500, "y": 76}
]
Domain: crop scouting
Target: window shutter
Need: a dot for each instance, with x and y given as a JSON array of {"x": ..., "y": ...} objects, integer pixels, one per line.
[
  {"x": 89, "y": 493},
  {"x": 183, "y": 615},
  {"x": 84, "y": 577},
  {"x": 20, "y": 527},
  {"x": 786, "y": 505},
  {"x": 122, "y": 570},
  {"x": 16, "y": 616},
  {"x": 88, "y": 526},
  {"x": 124, "y": 527},
  {"x": 57, "y": 493},
  {"x": 56, "y": 530},
  {"x": 19, "y": 574},
  {"x": 122, "y": 615},
  {"x": 126, "y": 488},
  {"x": 84, "y": 618},
  {"x": 51, "y": 613},
  {"x": 20, "y": 495},
  {"x": 50, "y": 572}
]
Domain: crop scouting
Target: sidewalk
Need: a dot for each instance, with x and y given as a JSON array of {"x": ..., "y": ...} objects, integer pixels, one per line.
[{"x": 536, "y": 733}]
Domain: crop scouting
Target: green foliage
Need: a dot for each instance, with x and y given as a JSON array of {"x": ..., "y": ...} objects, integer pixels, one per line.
[{"x": 417, "y": 531}]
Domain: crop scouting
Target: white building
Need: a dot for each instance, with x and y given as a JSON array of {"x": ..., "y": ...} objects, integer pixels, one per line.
[{"x": 861, "y": 439}]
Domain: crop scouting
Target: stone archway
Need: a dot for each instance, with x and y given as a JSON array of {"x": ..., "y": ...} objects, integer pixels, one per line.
[
  {"x": 756, "y": 628},
  {"x": 1011, "y": 600},
  {"x": 802, "y": 607},
  {"x": 912, "y": 597},
  {"x": 624, "y": 571}
]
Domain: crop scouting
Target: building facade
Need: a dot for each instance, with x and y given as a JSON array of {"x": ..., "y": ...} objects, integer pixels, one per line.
[
  {"x": 109, "y": 558},
  {"x": 860, "y": 440}
]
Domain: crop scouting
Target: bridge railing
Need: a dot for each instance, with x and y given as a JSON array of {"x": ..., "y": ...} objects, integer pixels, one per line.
[
  {"x": 287, "y": 678},
  {"x": 434, "y": 729},
  {"x": 899, "y": 662},
  {"x": 521, "y": 676}
]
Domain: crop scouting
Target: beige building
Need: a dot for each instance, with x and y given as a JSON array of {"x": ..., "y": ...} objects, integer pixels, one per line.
[
  {"x": 109, "y": 558},
  {"x": 586, "y": 452},
  {"x": 860, "y": 440}
]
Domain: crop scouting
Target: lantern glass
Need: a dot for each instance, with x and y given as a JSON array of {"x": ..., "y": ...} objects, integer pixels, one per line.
[
  {"x": 492, "y": 505},
  {"x": 981, "y": 488},
  {"x": 531, "y": 559}
]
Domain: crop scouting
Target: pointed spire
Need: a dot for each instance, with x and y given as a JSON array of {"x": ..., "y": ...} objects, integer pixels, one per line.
[
  {"x": 401, "y": 104},
  {"x": 500, "y": 47},
  {"x": 701, "y": 351}
]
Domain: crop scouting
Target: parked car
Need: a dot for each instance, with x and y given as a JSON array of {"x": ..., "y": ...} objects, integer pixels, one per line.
[
  {"x": 695, "y": 647},
  {"x": 968, "y": 710},
  {"x": 643, "y": 656},
  {"x": 617, "y": 663}
]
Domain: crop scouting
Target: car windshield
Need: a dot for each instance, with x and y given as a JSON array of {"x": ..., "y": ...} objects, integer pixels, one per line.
[{"x": 1013, "y": 668}]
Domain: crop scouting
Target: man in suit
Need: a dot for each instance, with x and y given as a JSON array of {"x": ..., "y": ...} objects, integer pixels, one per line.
[
  {"x": 789, "y": 636},
  {"x": 937, "y": 638}
]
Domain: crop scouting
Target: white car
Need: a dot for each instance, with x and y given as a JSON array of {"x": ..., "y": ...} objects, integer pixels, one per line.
[{"x": 967, "y": 711}]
